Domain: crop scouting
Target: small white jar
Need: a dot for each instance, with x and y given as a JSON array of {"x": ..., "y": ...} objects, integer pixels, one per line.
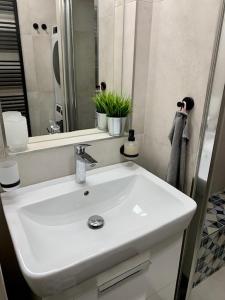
[{"x": 9, "y": 175}]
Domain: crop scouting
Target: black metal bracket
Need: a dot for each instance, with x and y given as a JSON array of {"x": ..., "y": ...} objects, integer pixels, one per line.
[
  {"x": 44, "y": 27},
  {"x": 36, "y": 26},
  {"x": 103, "y": 86},
  {"x": 126, "y": 155},
  {"x": 189, "y": 103}
]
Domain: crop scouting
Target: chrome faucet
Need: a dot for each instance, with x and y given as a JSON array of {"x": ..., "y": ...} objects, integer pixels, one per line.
[
  {"x": 82, "y": 159},
  {"x": 53, "y": 127}
]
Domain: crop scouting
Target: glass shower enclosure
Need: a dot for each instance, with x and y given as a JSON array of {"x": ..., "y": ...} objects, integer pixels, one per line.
[{"x": 204, "y": 242}]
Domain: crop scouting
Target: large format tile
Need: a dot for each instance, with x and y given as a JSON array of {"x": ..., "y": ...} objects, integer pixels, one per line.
[
  {"x": 128, "y": 50},
  {"x": 47, "y": 110},
  {"x": 118, "y": 48},
  {"x": 42, "y": 11},
  {"x": 29, "y": 62},
  {"x": 106, "y": 8},
  {"x": 34, "y": 111},
  {"x": 106, "y": 50},
  {"x": 43, "y": 63},
  {"x": 142, "y": 48},
  {"x": 176, "y": 64},
  {"x": 41, "y": 109},
  {"x": 24, "y": 13}
]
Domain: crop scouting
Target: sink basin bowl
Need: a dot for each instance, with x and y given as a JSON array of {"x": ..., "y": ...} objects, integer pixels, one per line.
[{"x": 55, "y": 247}]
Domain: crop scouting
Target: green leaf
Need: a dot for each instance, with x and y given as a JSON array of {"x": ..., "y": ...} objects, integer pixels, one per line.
[{"x": 113, "y": 104}]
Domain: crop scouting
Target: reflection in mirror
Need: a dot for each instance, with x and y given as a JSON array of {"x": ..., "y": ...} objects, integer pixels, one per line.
[{"x": 70, "y": 51}]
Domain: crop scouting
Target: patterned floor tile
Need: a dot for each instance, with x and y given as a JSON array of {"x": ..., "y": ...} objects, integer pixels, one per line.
[
  {"x": 212, "y": 226},
  {"x": 217, "y": 264},
  {"x": 211, "y": 255},
  {"x": 215, "y": 198},
  {"x": 211, "y": 216},
  {"x": 216, "y": 215},
  {"x": 221, "y": 220},
  {"x": 221, "y": 195},
  {"x": 210, "y": 206},
  {"x": 218, "y": 209},
  {"x": 221, "y": 237},
  {"x": 198, "y": 277}
]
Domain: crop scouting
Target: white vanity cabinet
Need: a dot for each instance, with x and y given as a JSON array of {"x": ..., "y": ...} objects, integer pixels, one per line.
[
  {"x": 156, "y": 283},
  {"x": 134, "y": 256}
]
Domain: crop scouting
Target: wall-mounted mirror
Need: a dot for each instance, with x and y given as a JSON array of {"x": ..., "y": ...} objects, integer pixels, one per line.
[{"x": 68, "y": 48}]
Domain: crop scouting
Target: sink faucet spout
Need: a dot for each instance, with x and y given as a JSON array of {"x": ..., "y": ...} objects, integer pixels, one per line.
[{"x": 82, "y": 159}]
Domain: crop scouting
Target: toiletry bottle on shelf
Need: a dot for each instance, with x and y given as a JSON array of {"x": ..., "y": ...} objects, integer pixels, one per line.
[{"x": 131, "y": 146}]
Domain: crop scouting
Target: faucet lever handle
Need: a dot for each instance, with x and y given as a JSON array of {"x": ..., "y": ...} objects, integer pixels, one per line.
[{"x": 80, "y": 148}]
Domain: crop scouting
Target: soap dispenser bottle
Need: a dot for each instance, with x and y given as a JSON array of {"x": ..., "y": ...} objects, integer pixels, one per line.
[{"x": 131, "y": 146}]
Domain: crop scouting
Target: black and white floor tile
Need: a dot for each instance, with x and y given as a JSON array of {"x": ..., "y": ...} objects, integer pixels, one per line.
[{"x": 211, "y": 255}]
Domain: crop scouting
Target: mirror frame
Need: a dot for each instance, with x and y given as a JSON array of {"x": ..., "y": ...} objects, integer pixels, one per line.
[{"x": 66, "y": 138}]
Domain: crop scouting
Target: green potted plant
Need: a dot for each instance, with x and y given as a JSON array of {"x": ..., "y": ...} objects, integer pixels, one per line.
[
  {"x": 100, "y": 100},
  {"x": 117, "y": 108}
]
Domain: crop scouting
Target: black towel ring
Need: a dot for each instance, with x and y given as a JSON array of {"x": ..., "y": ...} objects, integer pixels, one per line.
[{"x": 189, "y": 103}]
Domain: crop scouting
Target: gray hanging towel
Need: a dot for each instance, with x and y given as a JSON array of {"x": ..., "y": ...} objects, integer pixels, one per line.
[{"x": 179, "y": 137}]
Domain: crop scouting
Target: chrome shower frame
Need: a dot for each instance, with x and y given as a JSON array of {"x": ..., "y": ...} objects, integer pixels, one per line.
[{"x": 201, "y": 189}]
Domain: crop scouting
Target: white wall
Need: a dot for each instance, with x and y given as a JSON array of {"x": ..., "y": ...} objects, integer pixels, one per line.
[
  {"x": 110, "y": 29},
  {"x": 128, "y": 46},
  {"x": 53, "y": 163},
  {"x": 106, "y": 41},
  {"x": 116, "y": 21},
  {"x": 141, "y": 70},
  {"x": 37, "y": 56},
  {"x": 182, "y": 38}
]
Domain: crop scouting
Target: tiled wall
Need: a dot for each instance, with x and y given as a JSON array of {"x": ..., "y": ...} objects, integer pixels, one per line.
[
  {"x": 117, "y": 20},
  {"x": 181, "y": 46},
  {"x": 129, "y": 46},
  {"x": 211, "y": 255},
  {"x": 106, "y": 42},
  {"x": 142, "y": 53},
  {"x": 111, "y": 21},
  {"x": 53, "y": 163},
  {"x": 130, "y": 53},
  {"x": 36, "y": 47}
]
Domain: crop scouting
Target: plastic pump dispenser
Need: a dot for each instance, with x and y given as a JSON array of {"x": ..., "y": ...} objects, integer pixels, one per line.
[{"x": 131, "y": 146}]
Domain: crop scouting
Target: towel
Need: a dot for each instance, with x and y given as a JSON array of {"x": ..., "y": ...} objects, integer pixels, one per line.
[{"x": 179, "y": 137}]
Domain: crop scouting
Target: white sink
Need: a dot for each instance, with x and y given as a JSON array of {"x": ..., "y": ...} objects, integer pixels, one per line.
[{"x": 48, "y": 223}]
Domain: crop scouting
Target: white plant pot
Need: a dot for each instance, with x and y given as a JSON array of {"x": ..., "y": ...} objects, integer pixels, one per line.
[
  {"x": 102, "y": 121},
  {"x": 116, "y": 126}
]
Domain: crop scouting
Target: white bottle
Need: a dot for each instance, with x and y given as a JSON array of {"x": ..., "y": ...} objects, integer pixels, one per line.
[
  {"x": 16, "y": 131},
  {"x": 131, "y": 146}
]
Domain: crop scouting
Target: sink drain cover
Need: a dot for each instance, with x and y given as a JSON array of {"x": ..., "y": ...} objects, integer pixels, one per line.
[{"x": 96, "y": 222}]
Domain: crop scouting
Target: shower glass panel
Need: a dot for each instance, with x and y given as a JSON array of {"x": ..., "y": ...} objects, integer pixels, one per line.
[
  {"x": 204, "y": 246},
  {"x": 81, "y": 55}
]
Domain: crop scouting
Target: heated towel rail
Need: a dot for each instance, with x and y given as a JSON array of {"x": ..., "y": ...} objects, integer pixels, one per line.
[{"x": 13, "y": 95}]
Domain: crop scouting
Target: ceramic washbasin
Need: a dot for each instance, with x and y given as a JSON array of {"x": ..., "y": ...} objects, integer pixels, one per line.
[{"x": 55, "y": 247}]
